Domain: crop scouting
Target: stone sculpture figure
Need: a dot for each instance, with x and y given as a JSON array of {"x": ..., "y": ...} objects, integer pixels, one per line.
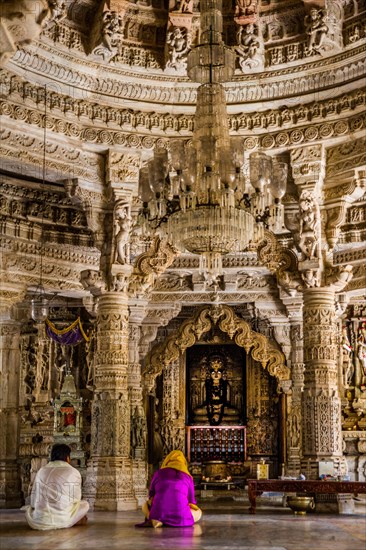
[
  {"x": 111, "y": 35},
  {"x": 316, "y": 30},
  {"x": 245, "y": 7},
  {"x": 137, "y": 434},
  {"x": 308, "y": 242},
  {"x": 122, "y": 227},
  {"x": 216, "y": 406},
  {"x": 248, "y": 47},
  {"x": 186, "y": 6},
  {"x": 361, "y": 358},
  {"x": 177, "y": 41}
]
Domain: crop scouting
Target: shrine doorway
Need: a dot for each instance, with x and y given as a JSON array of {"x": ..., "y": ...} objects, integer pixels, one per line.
[{"x": 171, "y": 371}]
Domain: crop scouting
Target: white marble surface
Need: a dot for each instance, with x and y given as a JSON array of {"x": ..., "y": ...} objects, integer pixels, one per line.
[{"x": 225, "y": 527}]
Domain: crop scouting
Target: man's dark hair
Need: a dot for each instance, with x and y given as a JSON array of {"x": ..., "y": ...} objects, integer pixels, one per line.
[{"x": 60, "y": 451}]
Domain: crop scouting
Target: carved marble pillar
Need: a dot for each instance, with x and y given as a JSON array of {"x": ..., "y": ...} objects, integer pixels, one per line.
[
  {"x": 322, "y": 435},
  {"x": 294, "y": 449},
  {"x": 109, "y": 479},
  {"x": 137, "y": 411},
  {"x": 294, "y": 307},
  {"x": 10, "y": 490},
  {"x": 173, "y": 422}
]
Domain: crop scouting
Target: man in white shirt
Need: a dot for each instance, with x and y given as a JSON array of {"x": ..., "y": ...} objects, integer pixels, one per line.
[{"x": 56, "y": 494}]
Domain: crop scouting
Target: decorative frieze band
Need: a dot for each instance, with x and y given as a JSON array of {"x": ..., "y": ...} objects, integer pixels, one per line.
[
  {"x": 284, "y": 83},
  {"x": 160, "y": 122},
  {"x": 285, "y": 138}
]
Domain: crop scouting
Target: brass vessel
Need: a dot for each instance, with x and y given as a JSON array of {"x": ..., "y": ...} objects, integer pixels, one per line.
[
  {"x": 216, "y": 469},
  {"x": 300, "y": 505}
]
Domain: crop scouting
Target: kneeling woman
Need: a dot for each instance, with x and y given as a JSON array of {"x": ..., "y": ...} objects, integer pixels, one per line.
[{"x": 171, "y": 497}]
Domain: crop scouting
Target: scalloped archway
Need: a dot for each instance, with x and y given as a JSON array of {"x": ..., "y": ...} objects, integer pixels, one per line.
[{"x": 258, "y": 346}]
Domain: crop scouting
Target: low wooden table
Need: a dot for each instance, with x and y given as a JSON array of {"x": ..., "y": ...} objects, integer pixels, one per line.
[{"x": 309, "y": 487}]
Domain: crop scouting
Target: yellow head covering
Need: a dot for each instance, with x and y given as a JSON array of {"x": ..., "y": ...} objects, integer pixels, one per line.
[{"x": 176, "y": 460}]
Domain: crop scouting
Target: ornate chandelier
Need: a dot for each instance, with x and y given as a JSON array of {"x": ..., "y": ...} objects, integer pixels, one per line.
[{"x": 197, "y": 196}]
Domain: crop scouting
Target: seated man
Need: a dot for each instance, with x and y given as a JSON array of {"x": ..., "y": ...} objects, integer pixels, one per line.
[{"x": 56, "y": 494}]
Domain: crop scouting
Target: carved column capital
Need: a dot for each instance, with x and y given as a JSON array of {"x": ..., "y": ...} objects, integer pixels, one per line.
[
  {"x": 9, "y": 297},
  {"x": 308, "y": 167},
  {"x": 92, "y": 280},
  {"x": 337, "y": 277},
  {"x": 151, "y": 263},
  {"x": 122, "y": 173}
]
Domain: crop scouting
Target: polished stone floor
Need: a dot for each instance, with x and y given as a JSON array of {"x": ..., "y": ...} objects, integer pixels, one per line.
[{"x": 224, "y": 527}]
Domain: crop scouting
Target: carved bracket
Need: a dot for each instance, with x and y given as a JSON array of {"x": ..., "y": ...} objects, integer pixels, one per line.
[
  {"x": 281, "y": 262},
  {"x": 338, "y": 277},
  {"x": 155, "y": 261}
]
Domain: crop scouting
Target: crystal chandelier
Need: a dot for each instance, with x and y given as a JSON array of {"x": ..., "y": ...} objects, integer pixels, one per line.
[{"x": 197, "y": 196}]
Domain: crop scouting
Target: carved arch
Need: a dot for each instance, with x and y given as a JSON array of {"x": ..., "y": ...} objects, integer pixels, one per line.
[{"x": 257, "y": 345}]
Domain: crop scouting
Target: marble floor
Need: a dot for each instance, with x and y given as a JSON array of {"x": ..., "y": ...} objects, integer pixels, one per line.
[{"x": 225, "y": 527}]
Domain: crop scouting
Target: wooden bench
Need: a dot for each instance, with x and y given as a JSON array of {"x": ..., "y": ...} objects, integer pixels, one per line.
[{"x": 309, "y": 487}]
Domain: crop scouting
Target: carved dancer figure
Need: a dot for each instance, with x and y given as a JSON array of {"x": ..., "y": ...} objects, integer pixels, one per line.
[
  {"x": 122, "y": 227},
  {"x": 308, "y": 242},
  {"x": 248, "y": 46},
  {"x": 347, "y": 363},
  {"x": 316, "y": 29},
  {"x": 177, "y": 41},
  {"x": 111, "y": 29},
  {"x": 361, "y": 358},
  {"x": 138, "y": 425}
]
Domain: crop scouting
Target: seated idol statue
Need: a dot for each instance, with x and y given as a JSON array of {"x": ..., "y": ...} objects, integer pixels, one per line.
[{"x": 216, "y": 407}]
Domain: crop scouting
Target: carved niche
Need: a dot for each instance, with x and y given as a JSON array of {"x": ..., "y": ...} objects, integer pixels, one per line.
[{"x": 216, "y": 384}]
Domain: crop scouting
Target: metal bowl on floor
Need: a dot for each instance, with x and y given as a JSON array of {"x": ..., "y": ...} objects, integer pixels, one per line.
[{"x": 300, "y": 505}]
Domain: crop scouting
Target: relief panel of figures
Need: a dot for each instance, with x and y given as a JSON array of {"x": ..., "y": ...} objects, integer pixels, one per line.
[
  {"x": 263, "y": 416},
  {"x": 353, "y": 367}
]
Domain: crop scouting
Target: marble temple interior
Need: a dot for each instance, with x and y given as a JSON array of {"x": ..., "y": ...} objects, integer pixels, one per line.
[{"x": 183, "y": 252}]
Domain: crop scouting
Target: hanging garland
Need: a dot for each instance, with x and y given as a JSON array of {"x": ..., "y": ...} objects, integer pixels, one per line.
[{"x": 71, "y": 336}]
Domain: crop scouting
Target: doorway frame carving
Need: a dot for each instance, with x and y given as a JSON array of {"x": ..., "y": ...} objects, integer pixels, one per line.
[{"x": 256, "y": 345}]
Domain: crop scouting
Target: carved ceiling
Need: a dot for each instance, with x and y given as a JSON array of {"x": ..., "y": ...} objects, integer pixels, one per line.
[{"x": 110, "y": 80}]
